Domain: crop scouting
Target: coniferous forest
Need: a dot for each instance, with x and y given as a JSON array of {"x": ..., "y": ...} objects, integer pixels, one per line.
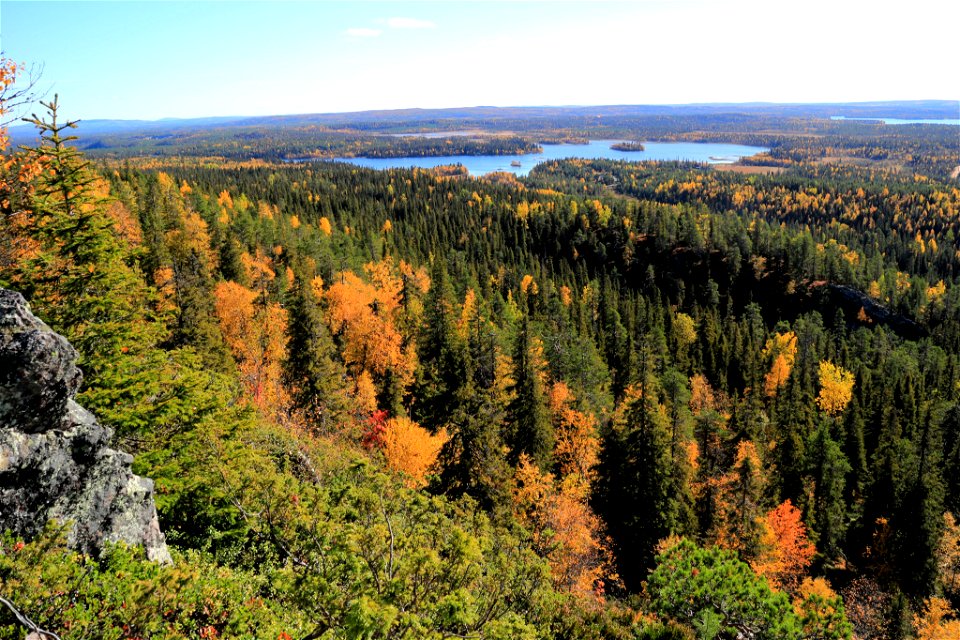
[{"x": 625, "y": 400}]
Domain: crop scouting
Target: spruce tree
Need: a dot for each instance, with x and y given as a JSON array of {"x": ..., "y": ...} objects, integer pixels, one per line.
[
  {"x": 82, "y": 283},
  {"x": 855, "y": 450},
  {"x": 472, "y": 460},
  {"x": 317, "y": 379},
  {"x": 443, "y": 368},
  {"x": 829, "y": 470},
  {"x": 950, "y": 428},
  {"x": 920, "y": 522},
  {"x": 530, "y": 431},
  {"x": 196, "y": 322},
  {"x": 635, "y": 490}
]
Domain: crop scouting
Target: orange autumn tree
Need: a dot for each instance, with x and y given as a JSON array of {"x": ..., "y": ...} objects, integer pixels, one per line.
[
  {"x": 364, "y": 314},
  {"x": 836, "y": 388},
  {"x": 701, "y": 395},
  {"x": 577, "y": 445},
  {"x": 782, "y": 350},
  {"x": 787, "y": 551},
  {"x": 937, "y": 621},
  {"x": 255, "y": 331},
  {"x": 18, "y": 180},
  {"x": 411, "y": 450},
  {"x": 565, "y": 530}
]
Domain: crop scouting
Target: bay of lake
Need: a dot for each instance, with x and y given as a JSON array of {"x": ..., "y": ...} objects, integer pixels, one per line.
[
  {"x": 950, "y": 121},
  {"x": 709, "y": 152}
]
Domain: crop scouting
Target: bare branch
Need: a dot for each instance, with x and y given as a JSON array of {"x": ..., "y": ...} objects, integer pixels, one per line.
[
  {"x": 21, "y": 93},
  {"x": 27, "y": 622}
]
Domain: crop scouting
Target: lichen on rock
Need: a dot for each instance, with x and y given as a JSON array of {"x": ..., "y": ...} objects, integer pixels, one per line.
[{"x": 55, "y": 462}]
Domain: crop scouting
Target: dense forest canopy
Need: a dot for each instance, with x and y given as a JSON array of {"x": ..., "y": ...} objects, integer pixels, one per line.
[{"x": 608, "y": 400}]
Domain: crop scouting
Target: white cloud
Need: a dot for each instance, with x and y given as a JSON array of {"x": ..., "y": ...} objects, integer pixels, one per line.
[
  {"x": 409, "y": 23},
  {"x": 363, "y": 32}
]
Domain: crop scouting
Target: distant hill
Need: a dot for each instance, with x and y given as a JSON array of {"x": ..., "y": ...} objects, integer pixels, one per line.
[{"x": 920, "y": 109}]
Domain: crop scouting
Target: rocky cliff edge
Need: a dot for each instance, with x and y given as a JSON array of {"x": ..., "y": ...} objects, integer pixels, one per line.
[{"x": 55, "y": 463}]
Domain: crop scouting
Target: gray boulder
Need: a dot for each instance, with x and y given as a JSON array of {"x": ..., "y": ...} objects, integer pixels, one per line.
[{"x": 55, "y": 462}]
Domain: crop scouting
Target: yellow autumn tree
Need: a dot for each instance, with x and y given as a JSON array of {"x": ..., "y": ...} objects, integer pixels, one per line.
[
  {"x": 468, "y": 312},
  {"x": 782, "y": 350},
  {"x": 836, "y": 388},
  {"x": 411, "y": 450},
  {"x": 937, "y": 621},
  {"x": 685, "y": 329},
  {"x": 948, "y": 556},
  {"x": 255, "y": 331},
  {"x": 364, "y": 396},
  {"x": 577, "y": 446},
  {"x": 701, "y": 394}
]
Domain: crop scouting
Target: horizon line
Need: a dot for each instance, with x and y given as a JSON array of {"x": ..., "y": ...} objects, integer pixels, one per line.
[{"x": 751, "y": 103}]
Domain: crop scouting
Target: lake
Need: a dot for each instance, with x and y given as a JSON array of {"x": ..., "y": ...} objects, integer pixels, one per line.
[
  {"x": 710, "y": 152},
  {"x": 903, "y": 121}
]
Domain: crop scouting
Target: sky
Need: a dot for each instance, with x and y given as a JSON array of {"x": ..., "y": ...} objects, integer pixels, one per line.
[{"x": 150, "y": 60}]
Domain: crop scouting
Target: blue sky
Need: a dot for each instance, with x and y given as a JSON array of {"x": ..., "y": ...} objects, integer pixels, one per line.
[{"x": 177, "y": 59}]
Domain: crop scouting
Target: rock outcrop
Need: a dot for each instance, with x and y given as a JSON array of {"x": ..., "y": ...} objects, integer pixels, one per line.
[{"x": 55, "y": 462}]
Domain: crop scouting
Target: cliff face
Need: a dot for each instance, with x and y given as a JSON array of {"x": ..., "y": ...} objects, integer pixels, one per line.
[{"x": 54, "y": 458}]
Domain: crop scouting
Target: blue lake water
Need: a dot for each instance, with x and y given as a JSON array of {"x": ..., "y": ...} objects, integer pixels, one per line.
[
  {"x": 951, "y": 121},
  {"x": 710, "y": 152}
]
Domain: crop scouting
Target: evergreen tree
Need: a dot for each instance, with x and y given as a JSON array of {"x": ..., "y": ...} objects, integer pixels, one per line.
[
  {"x": 855, "y": 450},
  {"x": 829, "y": 471},
  {"x": 472, "y": 461},
  {"x": 744, "y": 493},
  {"x": 717, "y": 593},
  {"x": 635, "y": 490},
  {"x": 950, "y": 428},
  {"x": 196, "y": 324},
  {"x": 443, "y": 367},
  {"x": 920, "y": 524},
  {"x": 530, "y": 429},
  {"x": 82, "y": 284},
  {"x": 316, "y": 377}
]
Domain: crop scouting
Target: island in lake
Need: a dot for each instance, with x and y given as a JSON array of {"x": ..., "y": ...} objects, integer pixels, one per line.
[{"x": 627, "y": 145}]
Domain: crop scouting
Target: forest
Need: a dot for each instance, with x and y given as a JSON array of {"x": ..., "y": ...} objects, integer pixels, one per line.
[{"x": 608, "y": 400}]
